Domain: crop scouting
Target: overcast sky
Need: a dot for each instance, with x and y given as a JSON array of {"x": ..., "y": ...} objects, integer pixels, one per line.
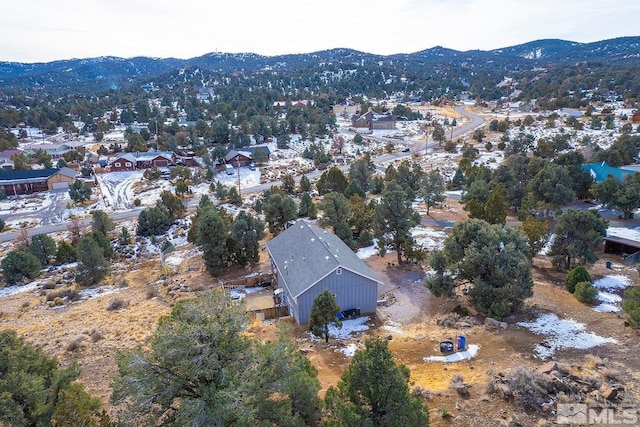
[{"x": 47, "y": 30}]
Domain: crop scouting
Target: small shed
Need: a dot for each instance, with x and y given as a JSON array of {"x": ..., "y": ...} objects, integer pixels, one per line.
[{"x": 308, "y": 260}]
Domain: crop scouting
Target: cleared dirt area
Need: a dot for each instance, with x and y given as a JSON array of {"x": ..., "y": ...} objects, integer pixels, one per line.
[{"x": 91, "y": 331}]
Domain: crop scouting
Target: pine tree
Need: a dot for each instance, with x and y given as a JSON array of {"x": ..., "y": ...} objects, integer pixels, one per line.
[
  {"x": 92, "y": 265},
  {"x": 44, "y": 247},
  {"x": 17, "y": 265},
  {"x": 324, "y": 312},
  {"x": 374, "y": 391}
]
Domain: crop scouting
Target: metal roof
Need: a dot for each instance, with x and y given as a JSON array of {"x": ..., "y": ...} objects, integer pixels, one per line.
[
  {"x": 33, "y": 174},
  {"x": 305, "y": 253}
]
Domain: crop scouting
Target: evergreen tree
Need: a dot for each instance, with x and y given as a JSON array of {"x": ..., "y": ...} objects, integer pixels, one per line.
[
  {"x": 575, "y": 276},
  {"x": 92, "y": 265},
  {"x": 44, "y": 247},
  {"x": 104, "y": 243},
  {"x": 125, "y": 236},
  {"x": 492, "y": 260},
  {"x": 36, "y": 392},
  {"x": 332, "y": 180},
  {"x": 173, "y": 205},
  {"x": 305, "y": 184},
  {"x": 631, "y": 306},
  {"x": 538, "y": 233},
  {"x": 305, "y": 204},
  {"x": 432, "y": 189},
  {"x": 79, "y": 191},
  {"x": 234, "y": 197},
  {"x": 66, "y": 253},
  {"x": 361, "y": 170},
  {"x": 495, "y": 211},
  {"x": 623, "y": 196},
  {"x": 278, "y": 211},
  {"x": 578, "y": 239},
  {"x": 324, "y": 312},
  {"x": 335, "y": 208},
  {"x": 313, "y": 211},
  {"x": 101, "y": 222},
  {"x": 154, "y": 221},
  {"x": 203, "y": 367},
  {"x": 17, "y": 265},
  {"x": 374, "y": 391},
  {"x": 211, "y": 236},
  {"x": 354, "y": 189},
  {"x": 247, "y": 231},
  {"x": 393, "y": 220},
  {"x": 288, "y": 184}
]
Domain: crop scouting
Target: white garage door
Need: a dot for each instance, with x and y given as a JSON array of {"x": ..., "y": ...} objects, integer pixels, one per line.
[{"x": 60, "y": 185}]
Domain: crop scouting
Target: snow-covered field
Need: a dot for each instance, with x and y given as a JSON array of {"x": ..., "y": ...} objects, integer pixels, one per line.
[{"x": 562, "y": 334}]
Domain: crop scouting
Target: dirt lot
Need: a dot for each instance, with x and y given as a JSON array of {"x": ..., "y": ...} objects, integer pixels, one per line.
[{"x": 90, "y": 332}]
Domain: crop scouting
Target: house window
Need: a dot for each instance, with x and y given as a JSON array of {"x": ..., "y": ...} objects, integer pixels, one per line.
[
  {"x": 339, "y": 271},
  {"x": 117, "y": 165},
  {"x": 128, "y": 164}
]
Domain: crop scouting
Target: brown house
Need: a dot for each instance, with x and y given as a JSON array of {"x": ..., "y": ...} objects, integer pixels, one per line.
[
  {"x": 146, "y": 160},
  {"x": 635, "y": 117},
  {"x": 236, "y": 158},
  {"x": 123, "y": 163},
  {"x": 35, "y": 181},
  {"x": 374, "y": 121}
]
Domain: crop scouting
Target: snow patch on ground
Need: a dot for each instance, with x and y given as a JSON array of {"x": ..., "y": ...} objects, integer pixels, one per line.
[
  {"x": 242, "y": 291},
  {"x": 393, "y": 327},
  {"x": 459, "y": 356},
  {"x": 100, "y": 291},
  {"x": 428, "y": 237},
  {"x": 369, "y": 251},
  {"x": 610, "y": 302},
  {"x": 19, "y": 289},
  {"x": 350, "y": 326},
  {"x": 562, "y": 334},
  {"x": 349, "y": 350},
  {"x": 613, "y": 282}
]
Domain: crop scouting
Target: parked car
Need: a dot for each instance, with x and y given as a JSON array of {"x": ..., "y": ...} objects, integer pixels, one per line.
[
  {"x": 229, "y": 169},
  {"x": 405, "y": 150},
  {"x": 252, "y": 167}
]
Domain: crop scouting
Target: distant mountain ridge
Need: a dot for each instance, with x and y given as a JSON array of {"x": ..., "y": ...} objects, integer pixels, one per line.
[{"x": 113, "y": 72}]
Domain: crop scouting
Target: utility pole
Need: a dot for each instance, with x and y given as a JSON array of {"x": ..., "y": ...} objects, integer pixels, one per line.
[{"x": 238, "y": 166}]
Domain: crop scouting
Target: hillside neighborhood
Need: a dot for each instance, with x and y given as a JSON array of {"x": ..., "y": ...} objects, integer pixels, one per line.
[{"x": 485, "y": 248}]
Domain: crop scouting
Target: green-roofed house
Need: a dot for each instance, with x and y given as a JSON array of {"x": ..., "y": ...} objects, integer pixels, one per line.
[
  {"x": 308, "y": 260},
  {"x": 600, "y": 171}
]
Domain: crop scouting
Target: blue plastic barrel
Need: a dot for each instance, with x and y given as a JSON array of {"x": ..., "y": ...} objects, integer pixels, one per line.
[{"x": 462, "y": 343}]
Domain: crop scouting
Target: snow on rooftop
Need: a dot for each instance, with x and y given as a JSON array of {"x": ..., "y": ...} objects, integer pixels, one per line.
[
  {"x": 562, "y": 334},
  {"x": 625, "y": 233}
]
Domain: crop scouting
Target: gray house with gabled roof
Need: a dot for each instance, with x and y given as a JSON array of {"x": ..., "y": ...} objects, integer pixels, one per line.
[{"x": 308, "y": 260}]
